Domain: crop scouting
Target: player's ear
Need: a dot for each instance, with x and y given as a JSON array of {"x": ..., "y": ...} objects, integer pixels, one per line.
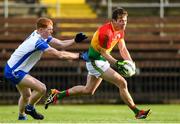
[{"x": 114, "y": 21}]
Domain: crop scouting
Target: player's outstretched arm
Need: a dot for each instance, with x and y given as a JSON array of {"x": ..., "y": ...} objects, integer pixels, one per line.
[
  {"x": 61, "y": 43},
  {"x": 61, "y": 54},
  {"x": 80, "y": 37},
  {"x": 65, "y": 54}
]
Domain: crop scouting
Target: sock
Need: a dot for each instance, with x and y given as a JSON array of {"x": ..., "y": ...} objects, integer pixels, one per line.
[
  {"x": 134, "y": 109},
  {"x": 22, "y": 115},
  {"x": 63, "y": 94}
]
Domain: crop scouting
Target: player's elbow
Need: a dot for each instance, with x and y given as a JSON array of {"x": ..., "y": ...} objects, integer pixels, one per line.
[{"x": 52, "y": 52}]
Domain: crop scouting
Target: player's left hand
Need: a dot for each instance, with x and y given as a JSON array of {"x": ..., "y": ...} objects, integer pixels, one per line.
[
  {"x": 84, "y": 56},
  {"x": 80, "y": 37}
]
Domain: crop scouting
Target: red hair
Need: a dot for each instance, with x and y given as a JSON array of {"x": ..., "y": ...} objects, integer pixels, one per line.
[{"x": 43, "y": 22}]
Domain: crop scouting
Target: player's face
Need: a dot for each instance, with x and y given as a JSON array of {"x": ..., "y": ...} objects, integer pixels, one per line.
[
  {"x": 47, "y": 31},
  {"x": 121, "y": 22}
]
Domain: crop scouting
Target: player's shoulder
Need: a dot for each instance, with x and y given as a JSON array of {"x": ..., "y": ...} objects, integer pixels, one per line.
[
  {"x": 106, "y": 28},
  {"x": 33, "y": 37},
  {"x": 30, "y": 41}
]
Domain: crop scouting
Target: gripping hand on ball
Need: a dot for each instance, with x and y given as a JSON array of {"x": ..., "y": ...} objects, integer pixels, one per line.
[
  {"x": 120, "y": 68},
  {"x": 126, "y": 68}
]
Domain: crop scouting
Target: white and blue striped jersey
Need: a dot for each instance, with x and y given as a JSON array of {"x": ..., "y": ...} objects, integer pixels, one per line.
[{"x": 28, "y": 53}]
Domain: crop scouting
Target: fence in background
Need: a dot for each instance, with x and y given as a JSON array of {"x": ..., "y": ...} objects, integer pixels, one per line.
[{"x": 154, "y": 44}]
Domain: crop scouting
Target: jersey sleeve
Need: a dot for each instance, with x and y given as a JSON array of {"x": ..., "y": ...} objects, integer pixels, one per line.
[
  {"x": 49, "y": 39},
  {"x": 41, "y": 45}
]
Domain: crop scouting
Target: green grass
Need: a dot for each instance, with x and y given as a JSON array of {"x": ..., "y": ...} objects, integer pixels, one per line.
[{"x": 94, "y": 114}]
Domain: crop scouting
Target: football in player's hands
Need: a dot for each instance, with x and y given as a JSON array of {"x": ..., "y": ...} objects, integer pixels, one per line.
[{"x": 126, "y": 68}]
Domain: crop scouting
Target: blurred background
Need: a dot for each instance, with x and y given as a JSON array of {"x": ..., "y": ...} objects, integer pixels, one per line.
[{"x": 152, "y": 37}]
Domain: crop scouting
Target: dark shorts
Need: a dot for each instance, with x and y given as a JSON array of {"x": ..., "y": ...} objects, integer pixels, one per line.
[{"x": 13, "y": 76}]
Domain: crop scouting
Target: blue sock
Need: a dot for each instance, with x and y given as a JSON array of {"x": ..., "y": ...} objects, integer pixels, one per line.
[{"x": 22, "y": 117}]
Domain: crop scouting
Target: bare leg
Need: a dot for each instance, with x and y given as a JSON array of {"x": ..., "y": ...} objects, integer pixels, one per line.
[
  {"x": 112, "y": 76},
  {"x": 24, "y": 98},
  {"x": 37, "y": 95},
  {"x": 89, "y": 89},
  {"x": 39, "y": 89},
  {"x": 92, "y": 84}
]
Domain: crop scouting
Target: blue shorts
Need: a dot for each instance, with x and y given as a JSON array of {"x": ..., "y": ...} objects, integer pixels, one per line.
[{"x": 13, "y": 76}]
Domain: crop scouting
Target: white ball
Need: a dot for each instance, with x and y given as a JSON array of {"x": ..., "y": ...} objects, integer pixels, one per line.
[{"x": 129, "y": 68}]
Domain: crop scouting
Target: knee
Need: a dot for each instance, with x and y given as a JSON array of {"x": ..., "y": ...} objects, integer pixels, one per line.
[
  {"x": 123, "y": 84},
  {"x": 26, "y": 96},
  {"x": 43, "y": 89}
]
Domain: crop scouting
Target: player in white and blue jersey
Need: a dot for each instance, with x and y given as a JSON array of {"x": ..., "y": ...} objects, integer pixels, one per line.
[{"x": 27, "y": 55}]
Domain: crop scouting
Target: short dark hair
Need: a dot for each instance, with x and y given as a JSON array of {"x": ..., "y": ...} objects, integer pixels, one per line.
[{"x": 119, "y": 12}]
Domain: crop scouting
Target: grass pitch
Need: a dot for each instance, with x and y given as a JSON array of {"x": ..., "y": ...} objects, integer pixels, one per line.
[{"x": 94, "y": 114}]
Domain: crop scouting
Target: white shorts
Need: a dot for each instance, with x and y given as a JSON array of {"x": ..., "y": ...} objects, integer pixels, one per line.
[{"x": 97, "y": 67}]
